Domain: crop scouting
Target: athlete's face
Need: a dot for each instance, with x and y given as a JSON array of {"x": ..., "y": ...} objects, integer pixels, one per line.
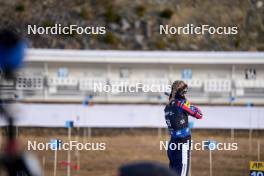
[
  {"x": 182, "y": 92},
  {"x": 179, "y": 89}
]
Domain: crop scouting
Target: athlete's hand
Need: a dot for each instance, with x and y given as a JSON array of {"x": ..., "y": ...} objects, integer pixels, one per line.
[{"x": 197, "y": 112}]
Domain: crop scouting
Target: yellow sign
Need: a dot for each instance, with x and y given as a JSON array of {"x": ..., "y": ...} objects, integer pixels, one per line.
[{"x": 256, "y": 166}]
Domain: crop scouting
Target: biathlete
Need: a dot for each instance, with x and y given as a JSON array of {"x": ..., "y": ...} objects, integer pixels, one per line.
[{"x": 176, "y": 114}]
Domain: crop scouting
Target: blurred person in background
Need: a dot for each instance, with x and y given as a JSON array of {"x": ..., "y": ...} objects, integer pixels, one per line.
[
  {"x": 176, "y": 115},
  {"x": 14, "y": 161}
]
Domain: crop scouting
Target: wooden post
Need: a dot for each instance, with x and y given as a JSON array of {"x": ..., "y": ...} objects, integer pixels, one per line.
[
  {"x": 77, "y": 151},
  {"x": 232, "y": 134},
  {"x": 89, "y": 132},
  {"x": 55, "y": 162},
  {"x": 250, "y": 126},
  {"x": 250, "y": 139},
  {"x": 78, "y": 162},
  {"x": 43, "y": 165},
  {"x": 211, "y": 162}
]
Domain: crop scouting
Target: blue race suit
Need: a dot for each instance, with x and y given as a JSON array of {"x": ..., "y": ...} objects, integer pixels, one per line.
[{"x": 176, "y": 115}]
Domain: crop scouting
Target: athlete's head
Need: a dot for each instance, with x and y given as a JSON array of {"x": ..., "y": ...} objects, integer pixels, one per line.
[
  {"x": 12, "y": 48},
  {"x": 178, "y": 89}
]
